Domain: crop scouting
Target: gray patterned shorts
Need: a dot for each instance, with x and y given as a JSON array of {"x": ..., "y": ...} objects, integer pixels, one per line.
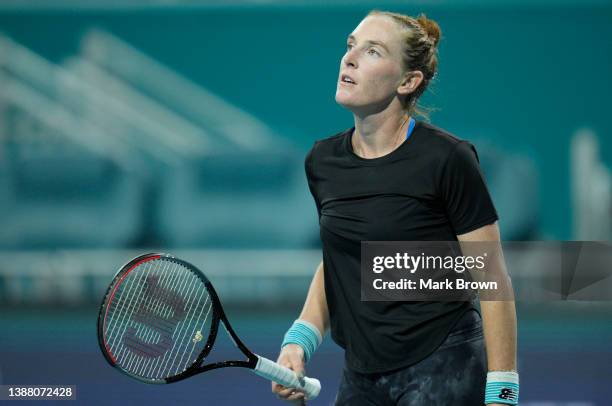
[{"x": 454, "y": 374}]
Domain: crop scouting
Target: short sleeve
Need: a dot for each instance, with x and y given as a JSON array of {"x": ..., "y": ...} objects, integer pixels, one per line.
[
  {"x": 464, "y": 192},
  {"x": 308, "y": 166}
]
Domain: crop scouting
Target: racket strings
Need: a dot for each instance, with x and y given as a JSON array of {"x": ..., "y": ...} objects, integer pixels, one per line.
[
  {"x": 134, "y": 362},
  {"x": 144, "y": 330},
  {"x": 158, "y": 319},
  {"x": 135, "y": 301}
]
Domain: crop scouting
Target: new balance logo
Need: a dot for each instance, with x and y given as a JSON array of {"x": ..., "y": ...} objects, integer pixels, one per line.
[{"x": 507, "y": 394}]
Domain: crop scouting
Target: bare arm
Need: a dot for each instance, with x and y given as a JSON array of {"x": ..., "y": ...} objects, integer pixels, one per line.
[
  {"x": 499, "y": 317},
  {"x": 292, "y": 355},
  {"x": 315, "y": 307}
]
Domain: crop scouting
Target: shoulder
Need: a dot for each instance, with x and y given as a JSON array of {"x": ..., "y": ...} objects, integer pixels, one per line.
[
  {"x": 442, "y": 146},
  {"x": 329, "y": 146},
  {"x": 438, "y": 139}
]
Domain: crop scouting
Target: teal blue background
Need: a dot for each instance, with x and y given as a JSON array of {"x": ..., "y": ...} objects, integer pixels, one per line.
[
  {"x": 522, "y": 77},
  {"x": 515, "y": 75}
]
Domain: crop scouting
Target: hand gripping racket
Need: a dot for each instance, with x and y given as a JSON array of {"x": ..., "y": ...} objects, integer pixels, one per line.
[{"x": 159, "y": 320}]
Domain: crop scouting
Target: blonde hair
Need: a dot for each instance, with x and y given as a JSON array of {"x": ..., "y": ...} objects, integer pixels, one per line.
[{"x": 420, "y": 38}]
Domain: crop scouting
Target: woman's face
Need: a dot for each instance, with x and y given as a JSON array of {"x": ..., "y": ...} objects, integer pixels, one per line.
[{"x": 373, "y": 63}]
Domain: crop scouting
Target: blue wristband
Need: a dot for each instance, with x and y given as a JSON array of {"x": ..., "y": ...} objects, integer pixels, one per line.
[
  {"x": 502, "y": 387},
  {"x": 304, "y": 334}
]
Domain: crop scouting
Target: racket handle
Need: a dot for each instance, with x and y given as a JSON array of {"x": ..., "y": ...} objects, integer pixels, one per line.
[{"x": 286, "y": 377}]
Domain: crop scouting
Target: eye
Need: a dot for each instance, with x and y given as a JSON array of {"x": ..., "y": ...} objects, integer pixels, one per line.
[
  {"x": 349, "y": 46},
  {"x": 373, "y": 51}
]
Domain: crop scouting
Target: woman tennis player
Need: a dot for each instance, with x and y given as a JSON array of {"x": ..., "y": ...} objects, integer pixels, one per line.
[{"x": 393, "y": 178}]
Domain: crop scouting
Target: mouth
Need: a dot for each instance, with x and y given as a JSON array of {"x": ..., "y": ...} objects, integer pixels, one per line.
[{"x": 346, "y": 79}]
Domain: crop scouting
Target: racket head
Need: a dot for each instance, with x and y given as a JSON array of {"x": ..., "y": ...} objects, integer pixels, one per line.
[{"x": 159, "y": 319}]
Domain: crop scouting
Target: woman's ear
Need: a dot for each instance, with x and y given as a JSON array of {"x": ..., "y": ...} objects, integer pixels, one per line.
[{"x": 411, "y": 82}]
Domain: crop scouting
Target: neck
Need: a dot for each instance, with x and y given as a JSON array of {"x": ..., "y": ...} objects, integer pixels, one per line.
[{"x": 379, "y": 134}]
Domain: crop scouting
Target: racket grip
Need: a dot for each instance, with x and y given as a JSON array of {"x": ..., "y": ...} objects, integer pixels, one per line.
[{"x": 286, "y": 377}]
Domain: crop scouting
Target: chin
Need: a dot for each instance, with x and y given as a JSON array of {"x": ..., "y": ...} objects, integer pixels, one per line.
[{"x": 343, "y": 101}]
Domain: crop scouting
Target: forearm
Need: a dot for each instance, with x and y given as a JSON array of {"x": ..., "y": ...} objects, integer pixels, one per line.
[
  {"x": 498, "y": 316},
  {"x": 499, "y": 325},
  {"x": 315, "y": 307}
]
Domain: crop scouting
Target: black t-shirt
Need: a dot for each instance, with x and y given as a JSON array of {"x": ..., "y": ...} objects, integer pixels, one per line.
[{"x": 428, "y": 189}]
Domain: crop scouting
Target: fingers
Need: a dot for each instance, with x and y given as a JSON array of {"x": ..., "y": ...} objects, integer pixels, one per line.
[
  {"x": 292, "y": 395},
  {"x": 285, "y": 393},
  {"x": 292, "y": 357}
]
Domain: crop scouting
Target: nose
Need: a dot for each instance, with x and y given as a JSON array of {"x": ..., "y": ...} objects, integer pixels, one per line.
[{"x": 350, "y": 59}]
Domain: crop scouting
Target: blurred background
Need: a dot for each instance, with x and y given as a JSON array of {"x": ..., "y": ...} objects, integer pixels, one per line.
[{"x": 182, "y": 127}]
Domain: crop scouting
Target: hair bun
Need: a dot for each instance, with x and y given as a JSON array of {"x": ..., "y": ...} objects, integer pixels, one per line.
[{"x": 431, "y": 28}]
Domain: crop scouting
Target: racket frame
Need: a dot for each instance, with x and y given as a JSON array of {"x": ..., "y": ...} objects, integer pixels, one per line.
[{"x": 218, "y": 316}]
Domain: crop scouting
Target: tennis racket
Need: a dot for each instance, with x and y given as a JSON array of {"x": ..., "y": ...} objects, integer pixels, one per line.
[{"x": 159, "y": 321}]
